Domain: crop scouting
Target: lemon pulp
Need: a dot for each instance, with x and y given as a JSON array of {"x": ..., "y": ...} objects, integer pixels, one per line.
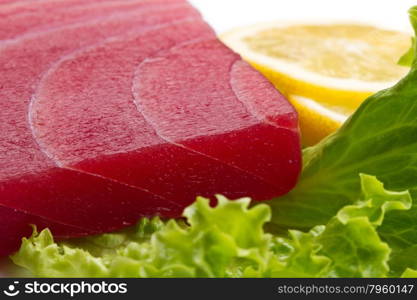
[{"x": 325, "y": 70}]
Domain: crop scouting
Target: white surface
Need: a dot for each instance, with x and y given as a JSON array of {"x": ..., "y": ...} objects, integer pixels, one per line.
[{"x": 226, "y": 14}]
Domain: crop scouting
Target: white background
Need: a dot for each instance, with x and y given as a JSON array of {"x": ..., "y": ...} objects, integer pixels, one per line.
[{"x": 226, "y": 14}]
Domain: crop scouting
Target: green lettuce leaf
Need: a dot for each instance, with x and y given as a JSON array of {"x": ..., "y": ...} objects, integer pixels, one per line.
[
  {"x": 227, "y": 240},
  {"x": 354, "y": 231},
  {"x": 349, "y": 244},
  {"x": 403, "y": 259},
  {"x": 409, "y": 273}
]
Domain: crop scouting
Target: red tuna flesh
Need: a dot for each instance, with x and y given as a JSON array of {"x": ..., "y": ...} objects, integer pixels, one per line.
[
  {"x": 27, "y": 174},
  {"x": 13, "y": 7},
  {"x": 84, "y": 117},
  {"x": 204, "y": 97},
  {"x": 12, "y": 26},
  {"x": 92, "y": 152},
  {"x": 3, "y": 2},
  {"x": 17, "y": 226}
]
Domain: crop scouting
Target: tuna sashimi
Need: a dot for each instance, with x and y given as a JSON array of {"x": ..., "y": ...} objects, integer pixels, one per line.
[
  {"x": 29, "y": 180},
  {"x": 112, "y": 115},
  {"x": 13, "y": 7},
  {"x": 13, "y": 25},
  {"x": 84, "y": 117},
  {"x": 3, "y": 2},
  {"x": 203, "y": 96}
]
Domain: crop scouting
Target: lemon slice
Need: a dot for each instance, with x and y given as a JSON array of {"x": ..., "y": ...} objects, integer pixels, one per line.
[
  {"x": 317, "y": 120},
  {"x": 335, "y": 65}
]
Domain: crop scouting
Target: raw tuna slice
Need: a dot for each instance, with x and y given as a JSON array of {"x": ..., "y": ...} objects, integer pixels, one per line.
[
  {"x": 32, "y": 182},
  {"x": 13, "y": 7},
  {"x": 14, "y": 25},
  {"x": 2, "y": 2},
  {"x": 203, "y": 96},
  {"x": 84, "y": 117}
]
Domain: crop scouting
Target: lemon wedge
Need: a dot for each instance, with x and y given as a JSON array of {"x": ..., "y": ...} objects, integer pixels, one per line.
[
  {"x": 325, "y": 70},
  {"x": 317, "y": 120}
]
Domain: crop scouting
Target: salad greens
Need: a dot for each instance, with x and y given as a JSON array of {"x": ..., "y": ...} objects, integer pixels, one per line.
[{"x": 337, "y": 222}]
